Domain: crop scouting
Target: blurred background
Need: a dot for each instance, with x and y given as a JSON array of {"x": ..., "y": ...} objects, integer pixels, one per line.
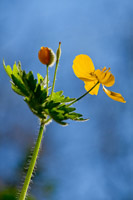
[{"x": 91, "y": 160}]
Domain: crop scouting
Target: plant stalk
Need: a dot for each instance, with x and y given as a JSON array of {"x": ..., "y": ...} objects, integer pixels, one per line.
[
  {"x": 57, "y": 62},
  {"x": 47, "y": 80},
  {"x": 32, "y": 163}
]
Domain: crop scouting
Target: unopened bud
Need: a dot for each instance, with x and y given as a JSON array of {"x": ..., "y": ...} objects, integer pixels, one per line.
[
  {"x": 58, "y": 52},
  {"x": 46, "y": 56}
]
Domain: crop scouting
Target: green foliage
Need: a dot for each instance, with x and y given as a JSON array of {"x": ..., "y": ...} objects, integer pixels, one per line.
[
  {"x": 59, "y": 97},
  {"x": 35, "y": 95}
]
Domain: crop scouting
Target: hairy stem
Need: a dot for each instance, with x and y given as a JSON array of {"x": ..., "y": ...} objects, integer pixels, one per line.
[{"x": 32, "y": 163}]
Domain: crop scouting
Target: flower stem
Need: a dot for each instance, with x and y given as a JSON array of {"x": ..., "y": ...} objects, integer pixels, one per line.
[
  {"x": 57, "y": 62},
  {"x": 47, "y": 80},
  {"x": 32, "y": 163},
  {"x": 83, "y": 94}
]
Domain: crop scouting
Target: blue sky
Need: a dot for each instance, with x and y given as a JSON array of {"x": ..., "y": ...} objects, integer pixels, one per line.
[{"x": 90, "y": 160}]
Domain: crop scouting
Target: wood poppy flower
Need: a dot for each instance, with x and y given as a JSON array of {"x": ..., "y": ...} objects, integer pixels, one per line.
[{"x": 84, "y": 69}]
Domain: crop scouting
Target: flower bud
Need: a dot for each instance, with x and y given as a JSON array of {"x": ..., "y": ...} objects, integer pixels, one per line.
[
  {"x": 46, "y": 56},
  {"x": 58, "y": 52}
]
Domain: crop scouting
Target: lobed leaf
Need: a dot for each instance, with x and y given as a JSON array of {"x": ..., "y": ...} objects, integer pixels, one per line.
[{"x": 35, "y": 95}]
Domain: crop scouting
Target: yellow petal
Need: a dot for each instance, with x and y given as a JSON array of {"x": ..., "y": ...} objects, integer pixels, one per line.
[
  {"x": 83, "y": 66},
  {"x": 99, "y": 74},
  {"x": 88, "y": 78},
  {"x": 105, "y": 77},
  {"x": 113, "y": 95},
  {"x": 89, "y": 85},
  {"x": 109, "y": 80}
]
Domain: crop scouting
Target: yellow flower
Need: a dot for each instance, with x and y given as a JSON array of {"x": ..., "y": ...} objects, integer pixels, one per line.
[
  {"x": 84, "y": 69},
  {"x": 46, "y": 56}
]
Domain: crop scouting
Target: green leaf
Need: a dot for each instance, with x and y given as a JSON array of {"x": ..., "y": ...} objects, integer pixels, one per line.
[
  {"x": 19, "y": 68},
  {"x": 29, "y": 81},
  {"x": 18, "y": 91},
  {"x": 32, "y": 81},
  {"x": 68, "y": 99},
  {"x": 43, "y": 96},
  {"x": 38, "y": 91},
  {"x": 64, "y": 112},
  {"x": 58, "y": 97},
  {"x": 58, "y": 117},
  {"x": 75, "y": 116},
  {"x": 35, "y": 108},
  {"x": 39, "y": 78},
  {"x": 51, "y": 104},
  {"x": 7, "y": 69},
  {"x": 19, "y": 85},
  {"x": 66, "y": 108},
  {"x": 15, "y": 70},
  {"x": 81, "y": 120},
  {"x": 62, "y": 123},
  {"x": 42, "y": 81},
  {"x": 59, "y": 93}
]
